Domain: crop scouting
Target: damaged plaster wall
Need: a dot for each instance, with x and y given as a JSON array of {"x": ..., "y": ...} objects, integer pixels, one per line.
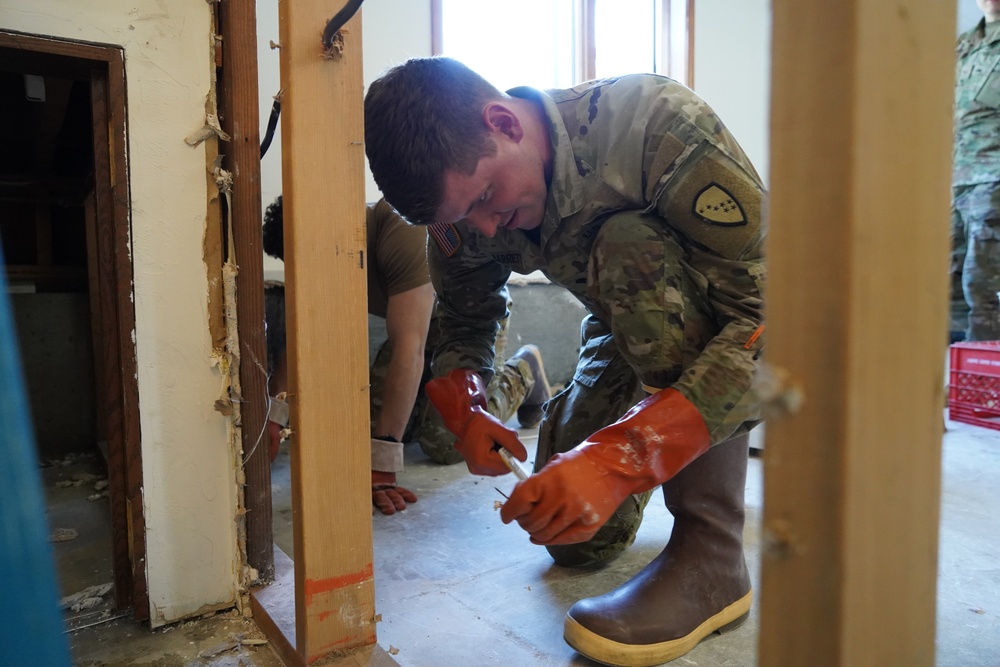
[{"x": 188, "y": 466}]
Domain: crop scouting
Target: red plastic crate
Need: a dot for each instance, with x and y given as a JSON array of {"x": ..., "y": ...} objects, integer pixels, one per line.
[{"x": 974, "y": 384}]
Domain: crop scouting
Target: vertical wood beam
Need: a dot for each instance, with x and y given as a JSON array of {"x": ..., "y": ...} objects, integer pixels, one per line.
[
  {"x": 96, "y": 316},
  {"x": 238, "y": 100},
  {"x": 326, "y": 301},
  {"x": 112, "y": 205},
  {"x": 861, "y": 146}
]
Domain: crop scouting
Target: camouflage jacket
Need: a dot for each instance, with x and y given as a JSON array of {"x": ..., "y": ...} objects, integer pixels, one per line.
[
  {"x": 638, "y": 142},
  {"x": 977, "y": 106}
]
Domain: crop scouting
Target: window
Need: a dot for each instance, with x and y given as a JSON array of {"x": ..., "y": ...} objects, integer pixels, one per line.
[
  {"x": 557, "y": 43},
  {"x": 527, "y": 42}
]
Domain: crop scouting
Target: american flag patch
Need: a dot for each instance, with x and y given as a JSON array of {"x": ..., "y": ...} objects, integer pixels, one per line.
[{"x": 446, "y": 236}]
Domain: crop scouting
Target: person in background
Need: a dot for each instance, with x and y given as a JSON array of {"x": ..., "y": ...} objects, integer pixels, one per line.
[
  {"x": 400, "y": 292},
  {"x": 975, "y": 208},
  {"x": 630, "y": 193}
]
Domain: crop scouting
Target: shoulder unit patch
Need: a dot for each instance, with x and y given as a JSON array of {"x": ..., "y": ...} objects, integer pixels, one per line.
[{"x": 717, "y": 206}]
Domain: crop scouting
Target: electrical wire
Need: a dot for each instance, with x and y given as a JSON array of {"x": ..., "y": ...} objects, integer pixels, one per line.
[{"x": 332, "y": 27}]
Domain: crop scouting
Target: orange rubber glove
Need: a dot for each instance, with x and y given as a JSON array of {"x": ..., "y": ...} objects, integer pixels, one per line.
[
  {"x": 387, "y": 496},
  {"x": 460, "y": 398},
  {"x": 569, "y": 499}
]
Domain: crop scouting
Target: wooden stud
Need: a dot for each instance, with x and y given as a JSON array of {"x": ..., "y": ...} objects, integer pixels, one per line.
[
  {"x": 238, "y": 105},
  {"x": 861, "y": 147},
  {"x": 326, "y": 302}
]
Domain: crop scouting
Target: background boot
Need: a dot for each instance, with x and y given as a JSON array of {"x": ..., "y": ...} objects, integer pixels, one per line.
[
  {"x": 529, "y": 414},
  {"x": 698, "y": 585}
]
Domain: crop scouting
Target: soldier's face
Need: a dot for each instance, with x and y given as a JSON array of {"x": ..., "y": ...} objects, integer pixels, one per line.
[
  {"x": 507, "y": 191},
  {"x": 991, "y": 9}
]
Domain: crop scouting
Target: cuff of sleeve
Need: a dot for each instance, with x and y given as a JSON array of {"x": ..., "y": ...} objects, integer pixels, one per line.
[
  {"x": 277, "y": 412},
  {"x": 387, "y": 456}
]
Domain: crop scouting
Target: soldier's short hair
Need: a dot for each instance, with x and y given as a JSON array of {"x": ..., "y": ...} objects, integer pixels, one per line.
[{"x": 422, "y": 118}]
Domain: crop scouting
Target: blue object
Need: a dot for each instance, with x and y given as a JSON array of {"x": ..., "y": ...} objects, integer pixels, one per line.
[{"x": 31, "y": 626}]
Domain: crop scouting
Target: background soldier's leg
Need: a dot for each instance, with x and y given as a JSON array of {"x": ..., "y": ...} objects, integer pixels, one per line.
[
  {"x": 435, "y": 439},
  {"x": 506, "y": 385},
  {"x": 981, "y": 276},
  {"x": 519, "y": 382},
  {"x": 959, "y": 307}
]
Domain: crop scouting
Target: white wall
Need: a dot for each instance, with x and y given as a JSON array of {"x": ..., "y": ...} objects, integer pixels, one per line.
[
  {"x": 392, "y": 32},
  {"x": 732, "y": 70},
  {"x": 969, "y": 15},
  {"x": 189, "y": 490}
]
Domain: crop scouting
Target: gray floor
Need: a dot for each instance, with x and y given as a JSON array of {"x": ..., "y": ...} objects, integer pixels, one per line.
[{"x": 456, "y": 587}]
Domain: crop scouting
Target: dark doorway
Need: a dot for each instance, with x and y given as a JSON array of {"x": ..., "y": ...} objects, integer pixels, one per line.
[{"x": 64, "y": 223}]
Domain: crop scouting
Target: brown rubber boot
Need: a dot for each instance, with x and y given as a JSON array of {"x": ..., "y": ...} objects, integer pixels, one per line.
[
  {"x": 529, "y": 414},
  {"x": 698, "y": 585}
]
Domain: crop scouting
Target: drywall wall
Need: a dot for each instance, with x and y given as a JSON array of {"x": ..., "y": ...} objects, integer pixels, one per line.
[
  {"x": 188, "y": 466},
  {"x": 732, "y": 66},
  {"x": 732, "y": 69}
]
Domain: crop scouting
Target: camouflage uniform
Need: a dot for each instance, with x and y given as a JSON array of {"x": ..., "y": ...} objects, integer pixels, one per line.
[
  {"x": 975, "y": 218},
  {"x": 653, "y": 221}
]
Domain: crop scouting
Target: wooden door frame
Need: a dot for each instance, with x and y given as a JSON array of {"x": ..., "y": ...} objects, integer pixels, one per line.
[{"x": 112, "y": 307}]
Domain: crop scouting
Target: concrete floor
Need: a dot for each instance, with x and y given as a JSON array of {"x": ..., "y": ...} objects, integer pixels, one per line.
[{"x": 455, "y": 586}]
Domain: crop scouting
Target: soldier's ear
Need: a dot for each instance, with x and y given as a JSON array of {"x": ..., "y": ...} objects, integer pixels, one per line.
[{"x": 501, "y": 118}]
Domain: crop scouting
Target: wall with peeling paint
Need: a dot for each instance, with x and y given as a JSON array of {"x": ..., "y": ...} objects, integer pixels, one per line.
[{"x": 188, "y": 465}]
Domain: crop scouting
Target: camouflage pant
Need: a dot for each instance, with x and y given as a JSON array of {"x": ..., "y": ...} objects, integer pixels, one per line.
[
  {"x": 653, "y": 328},
  {"x": 975, "y": 261},
  {"x": 511, "y": 382}
]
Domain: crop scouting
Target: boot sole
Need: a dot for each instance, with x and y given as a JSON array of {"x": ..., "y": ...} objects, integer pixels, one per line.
[{"x": 610, "y": 652}]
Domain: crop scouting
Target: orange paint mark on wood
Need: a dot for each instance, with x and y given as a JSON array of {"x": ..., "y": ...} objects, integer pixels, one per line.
[{"x": 314, "y": 587}]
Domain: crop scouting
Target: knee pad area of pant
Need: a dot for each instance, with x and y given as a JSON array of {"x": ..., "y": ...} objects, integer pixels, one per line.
[
  {"x": 445, "y": 454},
  {"x": 611, "y": 540}
]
